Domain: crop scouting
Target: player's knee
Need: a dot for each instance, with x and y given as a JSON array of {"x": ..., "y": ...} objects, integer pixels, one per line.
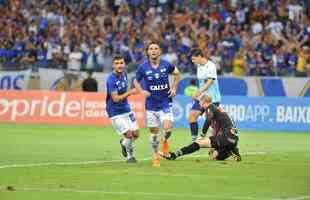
[
  {"x": 167, "y": 126},
  {"x": 128, "y": 135},
  {"x": 154, "y": 130},
  {"x": 193, "y": 116},
  {"x": 203, "y": 142},
  {"x": 135, "y": 134},
  {"x": 214, "y": 154}
]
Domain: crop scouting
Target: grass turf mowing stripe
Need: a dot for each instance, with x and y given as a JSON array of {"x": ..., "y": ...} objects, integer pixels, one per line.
[{"x": 121, "y": 193}]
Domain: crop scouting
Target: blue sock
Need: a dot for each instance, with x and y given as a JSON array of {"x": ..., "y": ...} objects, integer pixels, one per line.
[{"x": 194, "y": 130}]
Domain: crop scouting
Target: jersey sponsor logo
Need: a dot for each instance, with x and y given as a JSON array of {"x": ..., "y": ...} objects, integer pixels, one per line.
[
  {"x": 121, "y": 83},
  {"x": 158, "y": 87}
]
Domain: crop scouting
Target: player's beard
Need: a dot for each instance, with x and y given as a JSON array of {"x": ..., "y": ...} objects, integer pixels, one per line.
[
  {"x": 154, "y": 60},
  {"x": 119, "y": 71}
]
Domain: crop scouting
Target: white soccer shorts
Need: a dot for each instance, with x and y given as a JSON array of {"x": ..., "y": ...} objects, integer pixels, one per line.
[
  {"x": 156, "y": 118},
  {"x": 124, "y": 122}
]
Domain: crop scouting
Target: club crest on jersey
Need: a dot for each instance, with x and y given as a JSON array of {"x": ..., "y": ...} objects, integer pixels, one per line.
[{"x": 162, "y": 70}]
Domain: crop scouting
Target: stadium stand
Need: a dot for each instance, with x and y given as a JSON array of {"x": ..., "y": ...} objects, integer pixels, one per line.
[{"x": 257, "y": 37}]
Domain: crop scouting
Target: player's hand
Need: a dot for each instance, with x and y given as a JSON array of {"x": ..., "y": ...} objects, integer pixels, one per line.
[
  {"x": 145, "y": 93},
  {"x": 133, "y": 91},
  {"x": 197, "y": 95},
  {"x": 172, "y": 92}
]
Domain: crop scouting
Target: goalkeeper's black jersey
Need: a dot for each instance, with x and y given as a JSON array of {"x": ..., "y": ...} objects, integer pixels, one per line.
[{"x": 222, "y": 118}]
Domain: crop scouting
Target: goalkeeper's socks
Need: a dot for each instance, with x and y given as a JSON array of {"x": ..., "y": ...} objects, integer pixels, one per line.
[
  {"x": 188, "y": 149},
  {"x": 194, "y": 130}
]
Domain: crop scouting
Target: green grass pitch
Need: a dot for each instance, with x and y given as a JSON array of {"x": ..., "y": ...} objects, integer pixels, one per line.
[{"x": 84, "y": 162}]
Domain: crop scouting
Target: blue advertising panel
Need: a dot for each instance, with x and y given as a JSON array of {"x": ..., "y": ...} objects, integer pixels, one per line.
[{"x": 256, "y": 113}]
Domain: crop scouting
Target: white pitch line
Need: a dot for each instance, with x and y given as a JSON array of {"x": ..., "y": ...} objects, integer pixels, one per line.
[
  {"x": 63, "y": 163},
  {"x": 96, "y": 161},
  {"x": 153, "y": 194}
]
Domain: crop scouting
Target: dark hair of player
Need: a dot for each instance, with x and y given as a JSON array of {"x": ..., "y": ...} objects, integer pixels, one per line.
[
  {"x": 197, "y": 52},
  {"x": 148, "y": 46},
  {"x": 117, "y": 57}
]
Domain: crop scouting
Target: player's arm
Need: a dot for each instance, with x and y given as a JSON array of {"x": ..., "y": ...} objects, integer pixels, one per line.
[
  {"x": 207, "y": 84},
  {"x": 206, "y": 126},
  {"x": 119, "y": 97},
  {"x": 207, "y": 123},
  {"x": 204, "y": 88},
  {"x": 139, "y": 88},
  {"x": 137, "y": 80},
  {"x": 209, "y": 79},
  {"x": 176, "y": 79}
]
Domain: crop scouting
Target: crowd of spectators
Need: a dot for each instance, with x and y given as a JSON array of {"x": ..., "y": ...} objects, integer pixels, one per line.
[{"x": 248, "y": 37}]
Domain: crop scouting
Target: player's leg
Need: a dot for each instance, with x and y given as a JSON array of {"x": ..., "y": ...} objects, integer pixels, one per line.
[
  {"x": 221, "y": 154},
  {"x": 127, "y": 143},
  {"x": 194, "y": 113},
  {"x": 235, "y": 154},
  {"x": 122, "y": 125},
  {"x": 195, "y": 146},
  {"x": 134, "y": 127},
  {"x": 226, "y": 144},
  {"x": 166, "y": 119},
  {"x": 153, "y": 124},
  {"x": 224, "y": 153},
  {"x": 167, "y": 126}
]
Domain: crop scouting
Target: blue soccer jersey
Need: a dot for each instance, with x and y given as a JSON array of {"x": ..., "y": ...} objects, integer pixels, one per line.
[
  {"x": 118, "y": 84},
  {"x": 156, "y": 82}
]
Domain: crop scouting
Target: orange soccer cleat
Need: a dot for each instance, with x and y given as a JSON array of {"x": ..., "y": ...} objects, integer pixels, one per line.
[{"x": 156, "y": 161}]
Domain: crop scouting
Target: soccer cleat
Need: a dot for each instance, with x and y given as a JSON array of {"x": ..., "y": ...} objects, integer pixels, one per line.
[
  {"x": 124, "y": 152},
  {"x": 156, "y": 161},
  {"x": 168, "y": 156},
  {"x": 165, "y": 147},
  {"x": 236, "y": 155},
  {"x": 131, "y": 160}
]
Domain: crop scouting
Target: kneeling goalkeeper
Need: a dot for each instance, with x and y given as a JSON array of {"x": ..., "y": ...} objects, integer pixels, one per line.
[{"x": 223, "y": 145}]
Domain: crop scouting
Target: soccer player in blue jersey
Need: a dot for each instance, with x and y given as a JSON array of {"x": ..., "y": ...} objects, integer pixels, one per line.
[
  {"x": 118, "y": 109},
  {"x": 208, "y": 84},
  {"x": 154, "y": 73}
]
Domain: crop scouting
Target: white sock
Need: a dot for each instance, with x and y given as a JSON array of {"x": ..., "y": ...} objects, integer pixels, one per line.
[
  {"x": 154, "y": 142},
  {"x": 128, "y": 143}
]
